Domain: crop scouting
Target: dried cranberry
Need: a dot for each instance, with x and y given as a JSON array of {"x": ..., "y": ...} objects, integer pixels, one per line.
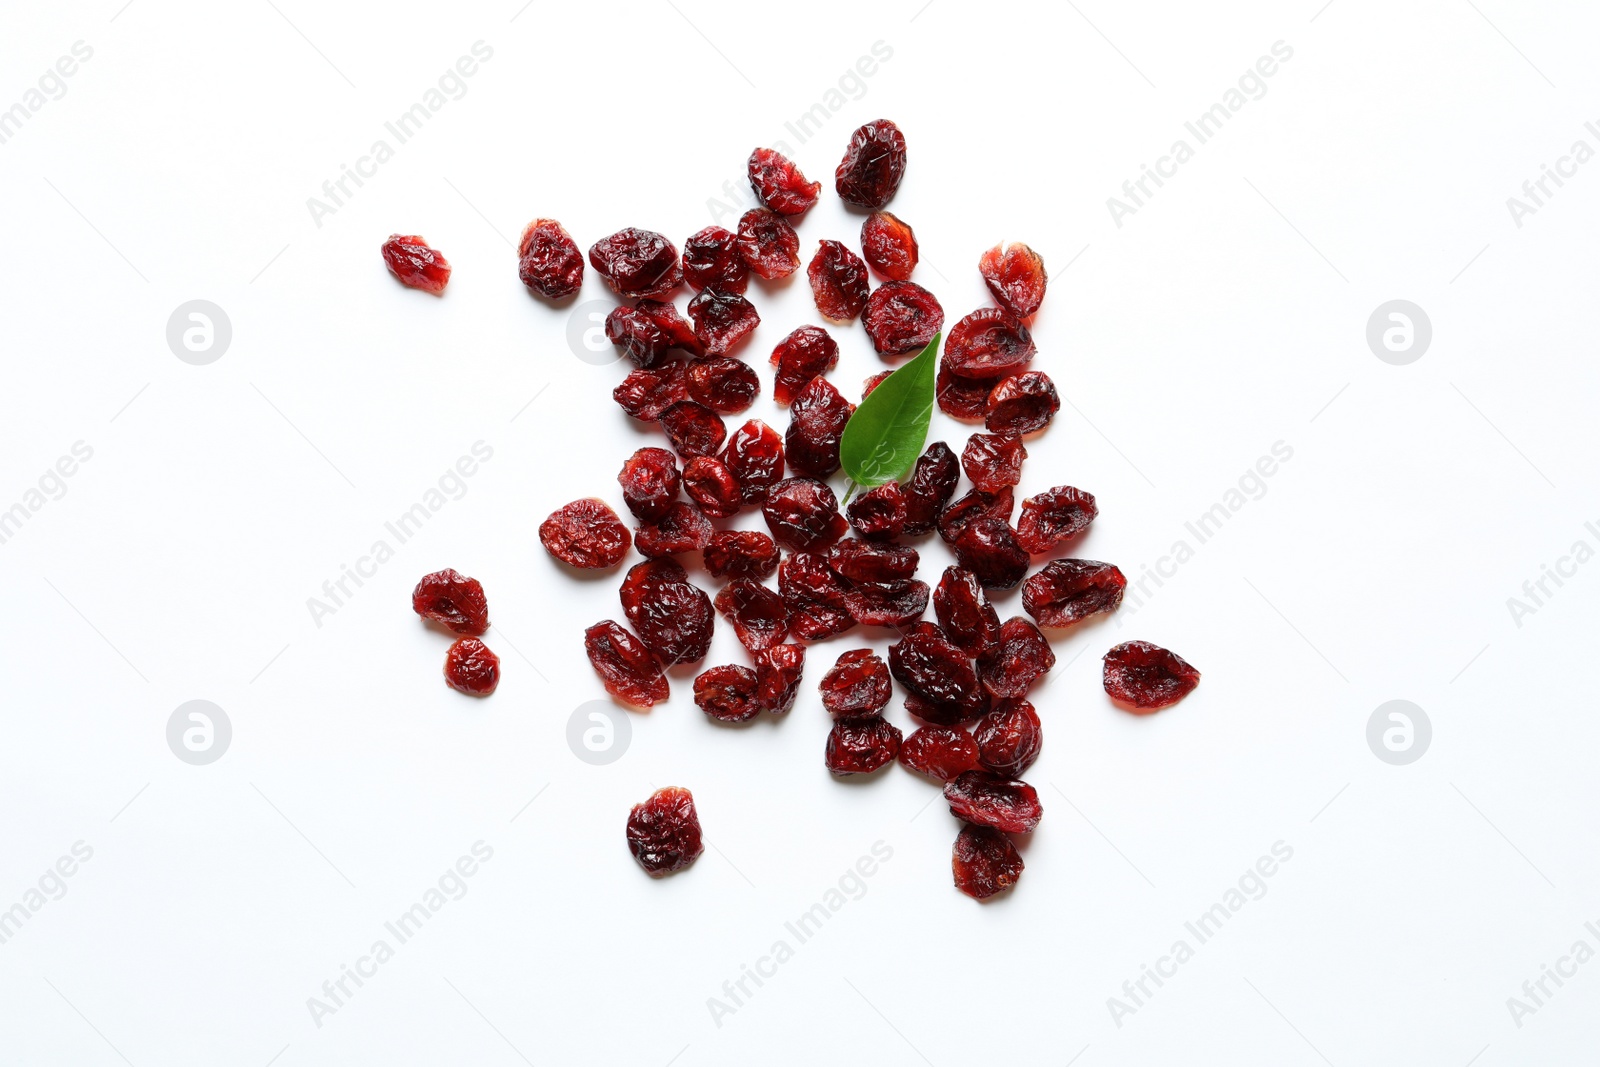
[
  {"x": 650, "y": 482},
  {"x": 415, "y": 264},
  {"x": 873, "y": 382},
  {"x": 800, "y": 357},
  {"x": 779, "y": 185},
  {"x": 803, "y": 513},
  {"x": 949, "y": 713},
  {"x": 1053, "y": 517},
  {"x": 872, "y": 166},
  {"x": 962, "y": 398},
  {"x": 1015, "y": 275},
  {"x": 646, "y": 393},
  {"x": 664, "y": 832},
  {"x": 628, "y": 670},
  {"x": 814, "y": 596},
  {"x": 470, "y": 668},
  {"x": 985, "y": 799},
  {"x": 930, "y": 666},
  {"x": 711, "y": 260},
  {"x": 586, "y": 534},
  {"x": 778, "y": 671},
  {"x": 647, "y": 332},
  {"x": 988, "y": 548},
  {"x": 965, "y": 614},
  {"x": 693, "y": 429},
  {"x": 722, "y": 320},
  {"x": 838, "y": 282},
  {"x": 993, "y": 461},
  {"x": 894, "y": 604},
  {"x": 856, "y": 686},
  {"x": 1147, "y": 677},
  {"x": 866, "y": 561},
  {"x": 682, "y": 529},
  {"x": 932, "y": 482},
  {"x": 712, "y": 486},
  {"x": 1022, "y": 657},
  {"x": 889, "y": 245},
  {"x": 727, "y": 694},
  {"x": 972, "y": 506},
  {"x": 901, "y": 318},
  {"x": 817, "y": 419},
  {"x": 637, "y": 262},
  {"x": 672, "y": 617},
  {"x": 861, "y": 746},
  {"x": 984, "y": 862},
  {"x": 754, "y": 453},
  {"x": 1069, "y": 590},
  {"x": 452, "y": 600},
  {"x": 879, "y": 514},
  {"x": 940, "y": 752},
  {"x": 740, "y": 554},
  {"x": 1009, "y": 738},
  {"x": 989, "y": 343},
  {"x": 548, "y": 260},
  {"x": 757, "y": 613},
  {"x": 723, "y": 384},
  {"x": 1023, "y": 404},
  {"x": 768, "y": 244}
]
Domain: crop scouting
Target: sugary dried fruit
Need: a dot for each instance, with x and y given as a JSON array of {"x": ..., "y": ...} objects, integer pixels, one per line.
[
  {"x": 693, "y": 429},
  {"x": 712, "y": 487},
  {"x": 932, "y": 482},
  {"x": 1147, "y": 677},
  {"x": 650, "y": 482},
  {"x": 878, "y": 514},
  {"x": 1022, "y": 657},
  {"x": 989, "y": 549},
  {"x": 711, "y": 260},
  {"x": 754, "y": 453},
  {"x": 470, "y": 668},
  {"x": 803, "y": 513},
  {"x": 814, "y": 596},
  {"x": 889, "y": 246},
  {"x": 1009, "y": 738},
  {"x": 868, "y": 561},
  {"x": 645, "y": 393},
  {"x": 548, "y": 260},
  {"x": 949, "y": 713},
  {"x": 970, "y": 507},
  {"x": 1022, "y": 404},
  {"x": 873, "y": 382},
  {"x": 779, "y": 185},
  {"x": 1015, "y": 275},
  {"x": 965, "y": 614},
  {"x": 1053, "y": 517},
  {"x": 721, "y": 320},
  {"x": 861, "y": 746},
  {"x": 415, "y": 264},
  {"x": 990, "y": 343},
  {"x": 1066, "y": 591},
  {"x": 452, "y": 600},
  {"x": 648, "y": 331},
  {"x": 817, "y": 419},
  {"x": 758, "y": 615},
  {"x": 682, "y": 529},
  {"x": 856, "y": 686},
  {"x": 838, "y": 282},
  {"x": 893, "y": 604},
  {"x": 993, "y": 461},
  {"x": 672, "y": 617},
  {"x": 637, "y": 263},
  {"x": 985, "y": 799},
  {"x": 873, "y": 165},
  {"x": 586, "y": 534},
  {"x": 778, "y": 671},
  {"x": 628, "y": 670},
  {"x": 984, "y": 862},
  {"x": 723, "y": 384},
  {"x": 901, "y": 318},
  {"x": 930, "y": 666},
  {"x": 727, "y": 694},
  {"x": 940, "y": 752},
  {"x": 800, "y": 357},
  {"x": 768, "y": 244},
  {"x": 962, "y": 398},
  {"x": 740, "y": 554},
  {"x": 664, "y": 832}
]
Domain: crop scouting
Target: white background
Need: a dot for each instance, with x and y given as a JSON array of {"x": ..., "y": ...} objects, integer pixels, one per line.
[{"x": 1226, "y": 315}]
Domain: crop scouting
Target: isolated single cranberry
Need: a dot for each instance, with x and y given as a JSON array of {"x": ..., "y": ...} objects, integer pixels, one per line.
[
  {"x": 1066, "y": 591},
  {"x": 861, "y": 746},
  {"x": 636, "y": 263},
  {"x": 838, "y": 282},
  {"x": 1015, "y": 275},
  {"x": 779, "y": 185},
  {"x": 727, "y": 694},
  {"x": 990, "y": 343},
  {"x": 1147, "y": 677},
  {"x": 1009, "y": 738},
  {"x": 984, "y": 862},
  {"x": 857, "y": 685},
  {"x": 873, "y": 165},
  {"x": 471, "y": 668},
  {"x": 986, "y": 799},
  {"x": 901, "y": 318},
  {"x": 415, "y": 264},
  {"x": 585, "y": 534},
  {"x": 548, "y": 260},
  {"x": 768, "y": 244},
  {"x": 889, "y": 246},
  {"x": 628, "y": 670},
  {"x": 664, "y": 832},
  {"x": 452, "y": 600},
  {"x": 1053, "y": 517}
]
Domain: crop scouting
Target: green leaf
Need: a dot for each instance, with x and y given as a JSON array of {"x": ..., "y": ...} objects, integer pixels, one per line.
[{"x": 885, "y": 436}]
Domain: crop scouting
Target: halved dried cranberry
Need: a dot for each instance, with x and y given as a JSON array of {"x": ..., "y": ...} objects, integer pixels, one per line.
[
  {"x": 664, "y": 832},
  {"x": 1022, "y": 657},
  {"x": 940, "y": 752},
  {"x": 949, "y": 713},
  {"x": 757, "y": 613},
  {"x": 1023, "y": 404},
  {"x": 1066, "y": 591},
  {"x": 803, "y": 513},
  {"x": 971, "y": 506},
  {"x": 672, "y": 617},
  {"x": 645, "y": 393},
  {"x": 893, "y": 604},
  {"x": 727, "y": 694},
  {"x": 711, "y": 260},
  {"x": 856, "y": 686},
  {"x": 962, "y": 398},
  {"x": 965, "y": 614},
  {"x": 838, "y": 282},
  {"x": 712, "y": 486},
  {"x": 984, "y": 862},
  {"x": 993, "y": 461},
  {"x": 682, "y": 529},
  {"x": 647, "y": 332},
  {"x": 901, "y": 318},
  {"x": 867, "y": 561},
  {"x": 637, "y": 262},
  {"x": 1009, "y": 738},
  {"x": 723, "y": 384},
  {"x": 693, "y": 429},
  {"x": 800, "y": 357},
  {"x": 452, "y": 600},
  {"x": 650, "y": 482},
  {"x": 1053, "y": 517},
  {"x": 930, "y": 666},
  {"x": 989, "y": 343},
  {"x": 586, "y": 534},
  {"x": 889, "y": 245},
  {"x": 548, "y": 260},
  {"x": 754, "y": 453},
  {"x": 470, "y": 668},
  {"x": 722, "y": 320},
  {"x": 779, "y": 185},
  {"x": 626, "y": 667},
  {"x": 989, "y": 549},
  {"x": 768, "y": 244},
  {"x": 1015, "y": 275},
  {"x": 985, "y": 799},
  {"x": 416, "y": 265},
  {"x": 861, "y": 746},
  {"x": 778, "y": 671},
  {"x": 740, "y": 554},
  {"x": 932, "y": 482},
  {"x": 879, "y": 514},
  {"x": 817, "y": 418},
  {"x": 1147, "y": 677},
  {"x": 873, "y": 165},
  {"x": 814, "y": 596}
]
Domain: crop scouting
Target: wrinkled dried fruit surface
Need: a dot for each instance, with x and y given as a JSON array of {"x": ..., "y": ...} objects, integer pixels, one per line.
[
  {"x": 889, "y": 246},
  {"x": 962, "y": 398},
  {"x": 856, "y": 686},
  {"x": 817, "y": 419},
  {"x": 415, "y": 264},
  {"x": 965, "y": 614},
  {"x": 741, "y": 554},
  {"x": 901, "y": 318},
  {"x": 585, "y": 534},
  {"x": 949, "y": 713},
  {"x": 993, "y": 461},
  {"x": 779, "y": 185},
  {"x": 712, "y": 487},
  {"x": 873, "y": 382},
  {"x": 727, "y": 694},
  {"x": 940, "y": 752},
  {"x": 693, "y": 429},
  {"x": 893, "y": 604},
  {"x": 548, "y": 260},
  {"x": 985, "y": 799},
  {"x": 1053, "y": 517},
  {"x": 672, "y": 617},
  {"x": 646, "y": 333},
  {"x": 838, "y": 282},
  {"x": 664, "y": 832},
  {"x": 1015, "y": 275},
  {"x": 984, "y": 862},
  {"x": 778, "y": 671},
  {"x": 989, "y": 549},
  {"x": 803, "y": 513},
  {"x": 650, "y": 482},
  {"x": 758, "y": 615},
  {"x": 861, "y": 746},
  {"x": 1022, "y": 404},
  {"x": 933, "y": 481},
  {"x": 627, "y": 669},
  {"x": 800, "y": 357},
  {"x": 1022, "y": 657},
  {"x": 721, "y": 320},
  {"x": 1009, "y": 738},
  {"x": 970, "y": 507},
  {"x": 711, "y": 260},
  {"x": 754, "y": 453},
  {"x": 452, "y": 600},
  {"x": 471, "y": 668},
  {"x": 1066, "y": 591},
  {"x": 682, "y": 529},
  {"x": 929, "y": 665},
  {"x": 723, "y": 384},
  {"x": 873, "y": 165},
  {"x": 1147, "y": 677},
  {"x": 866, "y": 561},
  {"x": 878, "y": 514},
  {"x": 814, "y": 596},
  {"x": 768, "y": 244},
  {"x": 645, "y": 394},
  {"x": 637, "y": 262},
  {"x": 989, "y": 343}
]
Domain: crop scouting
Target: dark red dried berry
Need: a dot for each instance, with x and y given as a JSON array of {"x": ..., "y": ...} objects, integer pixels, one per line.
[
  {"x": 768, "y": 244},
  {"x": 586, "y": 534},
  {"x": 932, "y": 482},
  {"x": 727, "y": 694},
  {"x": 879, "y": 514},
  {"x": 757, "y": 613},
  {"x": 650, "y": 482},
  {"x": 452, "y": 600},
  {"x": 873, "y": 382},
  {"x": 647, "y": 332},
  {"x": 1009, "y": 738},
  {"x": 722, "y": 320},
  {"x": 628, "y": 670},
  {"x": 1053, "y": 517},
  {"x": 637, "y": 262},
  {"x": 971, "y": 506},
  {"x": 754, "y": 453},
  {"x": 778, "y": 671},
  {"x": 949, "y": 713},
  {"x": 965, "y": 614},
  {"x": 1022, "y": 657},
  {"x": 985, "y": 799},
  {"x": 940, "y": 752},
  {"x": 711, "y": 260},
  {"x": 672, "y": 617},
  {"x": 645, "y": 393},
  {"x": 800, "y": 357},
  {"x": 740, "y": 554},
  {"x": 693, "y": 429},
  {"x": 1147, "y": 677},
  {"x": 856, "y": 686},
  {"x": 889, "y": 246},
  {"x": 814, "y": 596},
  {"x": 682, "y": 529},
  {"x": 990, "y": 343},
  {"x": 931, "y": 667},
  {"x": 867, "y": 561},
  {"x": 712, "y": 486},
  {"x": 993, "y": 461},
  {"x": 723, "y": 384},
  {"x": 779, "y": 185},
  {"x": 470, "y": 668},
  {"x": 1023, "y": 404},
  {"x": 817, "y": 419},
  {"x": 416, "y": 265},
  {"x": 984, "y": 862},
  {"x": 1066, "y": 591},
  {"x": 803, "y": 513},
  {"x": 901, "y": 318},
  {"x": 838, "y": 282},
  {"x": 988, "y": 548},
  {"x": 664, "y": 832},
  {"x": 893, "y": 604},
  {"x": 1015, "y": 275},
  {"x": 873, "y": 165},
  {"x": 548, "y": 260},
  {"x": 861, "y": 746},
  {"x": 962, "y": 398}
]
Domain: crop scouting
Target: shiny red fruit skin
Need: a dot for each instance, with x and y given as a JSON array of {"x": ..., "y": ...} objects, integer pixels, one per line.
[
  {"x": 989, "y": 549},
  {"x": 754, "y": 453},
  {"x": 693, "y": 429},
  {"x": 970, "y": 507},
  {"x": 855, "y": 560},
  {"x": 985, "y": 799},
  {"x": 984, "y": 862},
  {"x": 928, "y": 665},
  {"x": 664, "y": 832},
  {"x": 768, "y": 244},
  {"x": 800, "y": 357},
  {"x": 1009, "y": 738},
  {"x": 1022, "y": 657},
  {"x": 672, "y": 617},
  {"x": 872, "y": 166},
  {"x": 778, "y": 673},
  {"x": 723, "y": 384},
  {"x": 740, "y": 554},
  {"x": 646, "y": 393},
  {"x": 857, "y": 686},
  {"x": 861, "y": 746},
  {"x": 1147, "y": 677},
  {"x": 817, "y": 419},
  {"x": 637, "y": 263},
  {"x": 893, "y": 604},
  {"x": 1053, "y": 517},
  {"x": 1015, "y": 276},
  {"x": 838, "y": 282},
  {"x": 815, "y": 597},
  {"x": 940, "y": 752},
  {"x": 889, "y": 246},
  {"x": 711, "y": 260},
  {"x": 1023, "y": 404},
  {"x": 416, "y": 265},
  {"x": 628, "y": 670},
  {"x": 727, "y": 694},
  {"x": 548, "y": 260},
  {"x": 585, "y": 534},
  {"x": 1066, "y": 591},
  {"x": 452, "y": 600},
  {"x": 993, "y": 461},
  {"x": 803, "y": 513},
  {"x": 961, "y": 398},
  {"x": 965, "y": 614},
  {"x": 779, "y": 185},
  {"x": 878, "y": 514},
  {"x": 759, "y": 617},
  {"x": 990, "y": 343},
  {"x": 932, "y": 483},
  {"x": 648, "y": 331},
  {"x": 722, "y": 320},
  {"x": 682, "y": 529},
  {"x": 712, "y": 487},
  {"x": 470, "y": 668},
  {"x": 650, "y": 483},
  {"x": 901, "y": 318}
]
